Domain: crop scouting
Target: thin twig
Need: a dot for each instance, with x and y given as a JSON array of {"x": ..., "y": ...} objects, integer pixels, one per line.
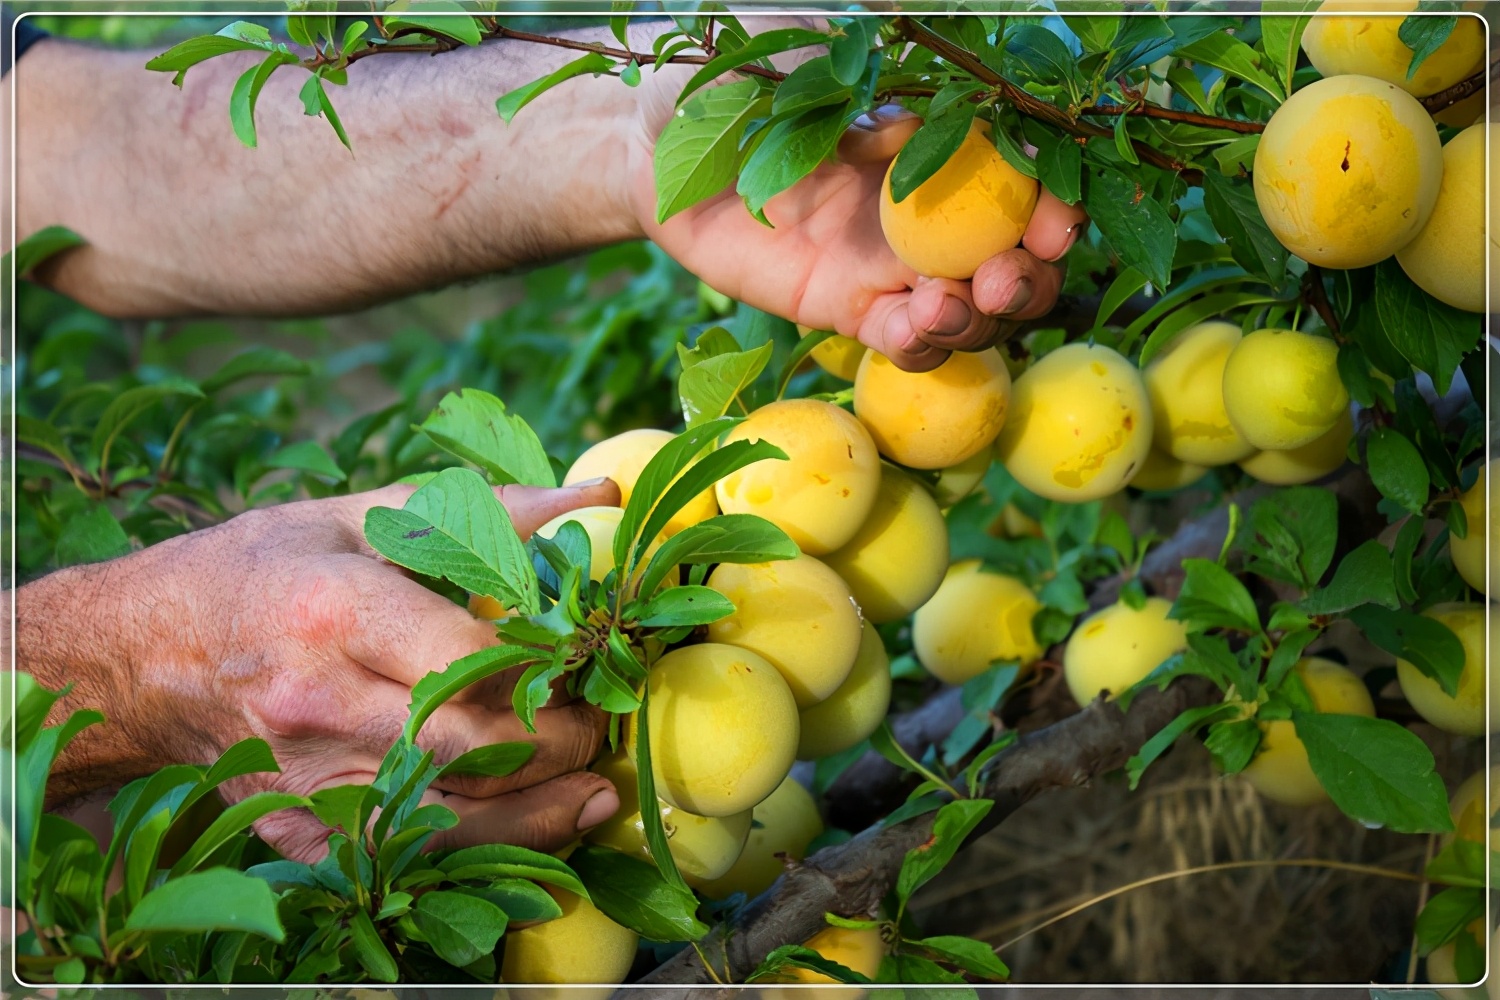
[
  {"x": 1145, "y": 110},
  {"x": 1317, "y": 297}
]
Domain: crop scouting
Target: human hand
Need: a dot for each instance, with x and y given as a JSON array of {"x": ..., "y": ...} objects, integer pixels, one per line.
[
  {"x": 826, "y": 263},
  {"x": 284, "y": 624}
]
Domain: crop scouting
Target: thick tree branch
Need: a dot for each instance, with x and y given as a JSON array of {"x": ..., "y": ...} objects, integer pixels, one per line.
[{"x": 1140, "y": 110}]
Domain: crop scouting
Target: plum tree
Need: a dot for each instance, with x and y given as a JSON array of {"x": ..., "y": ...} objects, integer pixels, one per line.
[
  {"x": 1162, "y": 472},
  {"x": 1462, "y": 713},
  {"x": 1347, "y": 171},
  {"x": 823, "y": 491},
  {"x": 581, "y": 946},
  {"x": 623, "y": 458},
  {"x": 1080, "y": 424},
  {"x": 723, "y": 728},
  {"x": 1114, "y": 648},
  {"x": 1480, "y": 541},
  {"x": 1370, "y": 44},
  {"x": 796, "y": 613},
  {"x": 975, "y": 618},
  {"x": 855, "y": 709},
  {"x": 785, "y": 822},
  {"x": 958, "y": 481},
  {"x": 1447, "y": 258},
  {"x": 975, "y": 206},
  {"x": 1314, "y": 460},
  {"x": 1282, "y": 389},
  {"x": 1280, "y": 769},
  {"x": 897, "y": 559},
  {"x": 838, "y": 356},
  {"x": 1186, "y": 383},
  {"x": 933, "y": 419},
  {"x": 703, "y": 847}
]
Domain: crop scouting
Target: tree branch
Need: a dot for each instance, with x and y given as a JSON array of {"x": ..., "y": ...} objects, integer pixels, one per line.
[
  {"x": 1142, "y": 110},
  {"x": 1460, "y": 90}
]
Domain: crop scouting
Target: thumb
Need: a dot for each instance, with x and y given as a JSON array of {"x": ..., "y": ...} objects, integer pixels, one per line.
[{"x": 530, "y": 507}]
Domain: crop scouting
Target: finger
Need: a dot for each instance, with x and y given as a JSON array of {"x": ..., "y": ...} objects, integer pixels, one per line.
[
  {"x": 943, "y": 314},
  {"x": 886, "y": 327},
  {"x": 544, "y": 817},
  {"x": 878, "y": 136},
  {"x": 1016, "y": 285},
  {"x": 567, "y": 739},
  {"x": 296, "y": 834},
  {"x": 1054, "y": 226}
]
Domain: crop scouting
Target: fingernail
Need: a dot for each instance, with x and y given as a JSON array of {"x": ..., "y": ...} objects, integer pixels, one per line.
[
  {"x": 1020, "y": 298},
  {"x": 601, "y": 806},
  {"x": 590, "y": 483},
  {"x": 954, "y": 317}
]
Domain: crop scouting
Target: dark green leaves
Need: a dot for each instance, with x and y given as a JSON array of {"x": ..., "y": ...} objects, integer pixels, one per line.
[
  {"x": 472, "y": 425},
  {"x": 698, "y": 154},
  {"x": 1424, "y": 33},
  {"x": 634, "y": 894},
  {"x": 952, "y": 825},
  {"x": 1211, "y": 597},
  {"x": 1232, "y": 207},
  {"x": 1364, "y": 577},
  {"x": 733, "y": 538},
  {"x": 792, "y": 148},
  {"x": 92, "y": 535},
  {"x": 455, "y": 528},
  {"x": 1137, "y": 226},
  {"x": 1186, "y": 722},
  {"x": 213, "y": 900},
  {"x": 1432, "y": 335},
  {"x": 461, "y": 928},
  {"x": 517, "y": 99},
  {"x": 1397, "y": 469},
  {"x": 1291, "y": 536},
  {"x": 685, "y": 606},
  {"x": 1059, "y": 165},
  {"x": 1447, "y": 915},
  {"x": 929, "y": 148},
  {"x": 1424, "y": 642},
  {"x": 1376, "y": 771},
  {"x": 766, "y": 43}
]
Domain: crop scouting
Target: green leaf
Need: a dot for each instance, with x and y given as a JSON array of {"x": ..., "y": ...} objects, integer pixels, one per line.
[
  {"x": 1364, "y": 577},
  {"x": 1136, "y": 225},
  {"x": 307, "y": 456},
  {"x": 1059, "y": 165},
  {"x": 1432, "y": 335},
  {"x": 1447, "y": 915},
  {"x": 315, "y": 102},
  {"x": 521, "y": 900},
  {"x": 246, "y": 93},
  {"x": 1222, "y": 50},
  {"x": 1378, "y": 772},
  {"x": 698, "y": 153},
  {"x": 929, "y": 148},
  {"x": 773, "y": 967},
  {"x": 215, "y": 900},
  {"x": 1461, "y": 862},
  {"x": 1233, "y": 210},
  {"x": 254, "y": 362},
  {"x": 473, "y": 425},
  {"x": 952, "y": 825},
  {"x": 849, "y": 48},
  {"x": 1425, "y": 643},
  {"x": 1232, "y": 743},
  {"x": 428, "y": 17},
  {"x": 42, "y": 245},
  {"x": 345, "y": 807},
  {"x": 974, "y": 957},
  {"x": 1281, "y": 36},
  {"x": 1424, "y": 34},
  {"x": 685, "y": 606},
  {"x": 1011, "y": 151},
  {"x": 515, "y": 100},
  {"x": 371, "y": 952},
  {"x": 707, "y": 388},
  {"x": 636, "y": 895},
  {"x": 437, "y": 687},
  {"x": 606, "y": 688},
  {"x": 1292, "y": 535},
  {"x": 1397, "y": 469},
  {"x": 495, "y": 760},
  {"x": 455, "y": 528},
  {"x": 766, "y": 43},
  {"x": 241, "y": 36},
  {"x": 1402, "y": 554},
  {"x": 1236, "y": 158},
  {"x": 92, "y": 535},
  {"x": 1212, "y": 598},
  {"x": 810, "y": 85},
  {"x": 1041, "y": 51},
  {"x": 509, "y": 861},
  {"x": 232, "y": 821},
  {"x": 1186, "y": 722},
  {"x": 1288, "y": 653},
  {"x": 460, "y": 928},
  {"x": 131, "y": 403},
  {"x": 792, "y": 148}
]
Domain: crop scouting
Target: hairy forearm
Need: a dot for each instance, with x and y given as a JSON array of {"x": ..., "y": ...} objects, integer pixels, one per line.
[{"x": 182, "y": 219}]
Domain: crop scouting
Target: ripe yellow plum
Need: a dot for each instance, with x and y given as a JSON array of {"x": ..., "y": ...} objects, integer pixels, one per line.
[
  {"x": 838, "y": 356},
  {"x": 623, "y": 458},
  {"x": 1161, "y": 472},
  {"x": 723, "y": 728},
  {"x": 897, "y": 559},
  {"x": 973, "y": 208},
  {"x": 798, "y": 614},
  {"x": 855, "y": 710},
  {"x": 1282, "y": 388},
  {"x": 823, "y": 491},
  {"x": 1369, "y": 44},
  {"x": 1442, "y": 967},
  {"x": 1113, "y": 649},
  {"x": 1468, "y": 810},
  {"x": 785, "y": 823},
  {"x": 1446, "y": 259},
  {"x": 958, "y": 481},
  {"x": 931, "y": 420},
  {"x": 1480, "y": 537},
  {"x": 1186, "y": 383},
  {"x": 1314, "y": 460},
  {"x": 704, "y": 847},
  {"x": 486, "y": 607},
  {"x": 1347, "y": 171},
  {"x": 1080, "y": 424},
  {"x": 974, "y": 619},
  {"x": 859, "y": 950},
  {"x": 1462, "y": 714},
  {"x": 1281, "y": 771},
  {"x": 581, "y": 946}
]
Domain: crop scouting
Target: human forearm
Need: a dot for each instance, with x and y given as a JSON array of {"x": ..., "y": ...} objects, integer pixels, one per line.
[{"x": 183, "y": 219}]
